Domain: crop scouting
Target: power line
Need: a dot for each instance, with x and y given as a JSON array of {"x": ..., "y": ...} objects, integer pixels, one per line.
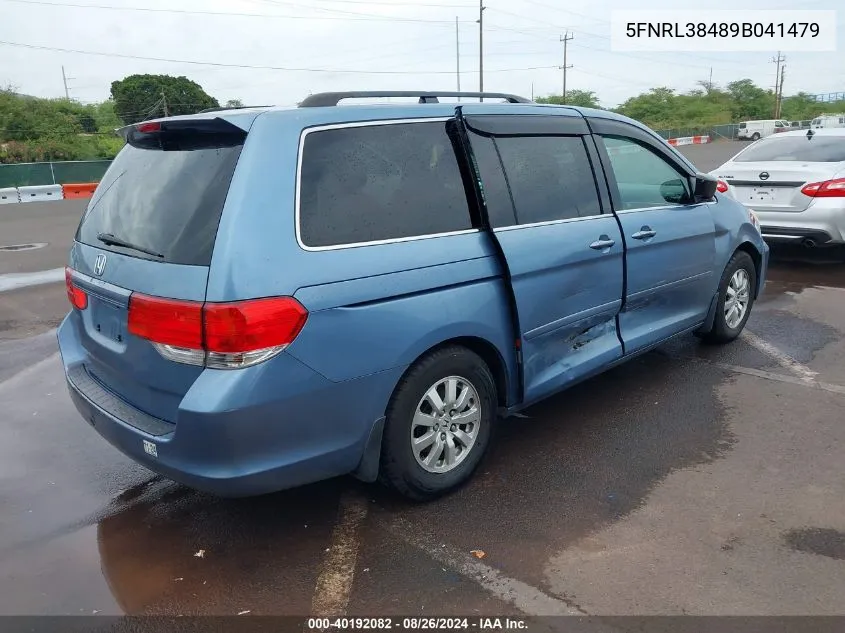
[
  {"x": 283, "y": 3},
  {"x": 365, "y": 17},
  {"x": 398, "y": 4},
  {"x": 257, "y": 67}
]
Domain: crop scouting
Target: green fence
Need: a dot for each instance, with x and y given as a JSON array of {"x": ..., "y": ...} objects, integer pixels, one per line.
[{"x": 55, "y": 173}]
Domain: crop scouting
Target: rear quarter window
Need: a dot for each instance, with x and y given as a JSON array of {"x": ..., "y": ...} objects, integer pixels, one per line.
[{"x": 369, "y": 183}]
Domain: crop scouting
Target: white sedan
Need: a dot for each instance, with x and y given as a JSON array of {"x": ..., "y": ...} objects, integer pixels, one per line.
[{"x": 795, "y": 183}]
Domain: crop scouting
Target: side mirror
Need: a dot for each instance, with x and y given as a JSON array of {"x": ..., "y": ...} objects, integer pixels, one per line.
[
  {"x": 705, "y": 188},
  {"x": 675, "y": 191}
]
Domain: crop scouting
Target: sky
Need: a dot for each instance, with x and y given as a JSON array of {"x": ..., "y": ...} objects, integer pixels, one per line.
[{"x": 277, "y": 52}]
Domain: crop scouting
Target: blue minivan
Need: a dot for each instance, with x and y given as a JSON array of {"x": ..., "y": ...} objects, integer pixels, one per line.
[{"x": 266, "y": 297}]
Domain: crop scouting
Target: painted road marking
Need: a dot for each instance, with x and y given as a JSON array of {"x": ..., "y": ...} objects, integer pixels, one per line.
[
  {"x": 13, "y": 281},
  {"x": 528, "y": 599},
  {"x": 784, "y": 360},
  {"x": 767, "y": 375},
  {"x": 334, "y": 584}
]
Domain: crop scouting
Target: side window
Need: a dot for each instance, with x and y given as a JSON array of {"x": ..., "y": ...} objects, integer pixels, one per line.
[
  {"x": 644, "y": 179},
  {"x": 492, "y": 179},
  {"x": 380, "y": 182},
  {"x": 550, "y": 177}
]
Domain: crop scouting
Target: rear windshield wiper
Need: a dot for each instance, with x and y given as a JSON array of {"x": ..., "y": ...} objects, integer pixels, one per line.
[{"x": 111, "y": 240}]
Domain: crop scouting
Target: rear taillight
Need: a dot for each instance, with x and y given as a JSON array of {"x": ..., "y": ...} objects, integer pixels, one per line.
[
  {"x": 166, "y": 321},
  {"x": 827, "y": 189},
  {"x": 721, "y": 186},
  {"x": 217, "y": 335},
  {"x": 77, "y": 297}
]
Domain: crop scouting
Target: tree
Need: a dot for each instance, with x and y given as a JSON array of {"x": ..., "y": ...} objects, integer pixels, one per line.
[
  {"x": 655, "y": 108},
  {"x": 87, "y": 122},
  {"x": 234, "y": 103},
  {"x": 582, "y": 98},
  {"x": 750, "y": 101},
  {"x": 802, "y": 106},
  {"x": 140, "y": 97}
]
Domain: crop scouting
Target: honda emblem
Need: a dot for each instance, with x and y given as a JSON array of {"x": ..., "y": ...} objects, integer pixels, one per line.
[{"x": 100, "y": 264}]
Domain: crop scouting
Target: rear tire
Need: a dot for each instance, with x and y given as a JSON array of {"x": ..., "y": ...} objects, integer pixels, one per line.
[
  {"x": 737, "y": 289},
  {"x": 429, "y": 449}
]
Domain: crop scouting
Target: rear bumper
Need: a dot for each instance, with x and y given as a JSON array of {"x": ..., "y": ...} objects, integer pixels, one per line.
[
  {"x": 823, "y": 222},
  {"x": 244, "y": 432}
]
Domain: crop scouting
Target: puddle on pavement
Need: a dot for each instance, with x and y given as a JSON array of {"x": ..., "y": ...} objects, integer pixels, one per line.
[
  {"x": 61, "y": 576},
  {"x": 260, "y": 554},
  {"x": 821, "y": 541},
  {"x": 792, "y": 270}
]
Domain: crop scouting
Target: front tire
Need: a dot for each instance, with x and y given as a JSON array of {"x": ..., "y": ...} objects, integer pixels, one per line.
[
  {"x": 755, "y": 136},
  {"x": 737, "y": 289},
  {"x": 439, "y": 423}
]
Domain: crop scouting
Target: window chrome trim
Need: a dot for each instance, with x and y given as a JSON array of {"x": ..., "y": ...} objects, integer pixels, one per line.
[
  {"x": 654, "y": 208},
  {"x": 394, "y": 240},
  {"x": 512, "y": 227}
]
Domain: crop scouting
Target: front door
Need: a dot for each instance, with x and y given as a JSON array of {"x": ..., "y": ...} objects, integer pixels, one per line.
[
  {"x": 562, "y": 247},
  {"x": 670, "y": 242}
]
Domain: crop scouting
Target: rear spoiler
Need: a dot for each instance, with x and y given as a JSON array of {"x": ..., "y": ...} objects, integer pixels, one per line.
[{"x": 184, "y": 134}]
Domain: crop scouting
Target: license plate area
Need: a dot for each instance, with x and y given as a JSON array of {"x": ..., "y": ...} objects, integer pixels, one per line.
[
  {"x": 108, "y": 320},
  {"x": 765, "y": 195}
]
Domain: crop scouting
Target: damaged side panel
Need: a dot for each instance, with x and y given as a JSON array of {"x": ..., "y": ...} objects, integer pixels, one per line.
[{"x": 570, "y": 352}]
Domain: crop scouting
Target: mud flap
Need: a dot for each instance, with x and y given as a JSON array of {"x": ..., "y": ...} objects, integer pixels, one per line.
[
  {"x": 368, "y": 467},
  {"x": 707, "y": 326}
]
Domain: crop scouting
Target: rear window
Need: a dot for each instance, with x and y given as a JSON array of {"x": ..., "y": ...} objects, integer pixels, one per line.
[
  {"x": 380, "y": 182},
  {"x": 165, "y": 202},
  {"x": 819, "y": 149}
]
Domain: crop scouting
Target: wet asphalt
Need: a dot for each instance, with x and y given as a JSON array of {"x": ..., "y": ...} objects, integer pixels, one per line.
[{"x": 695, "y": 479}]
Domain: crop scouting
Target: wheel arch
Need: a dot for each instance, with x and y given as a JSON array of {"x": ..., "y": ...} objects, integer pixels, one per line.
[
  {"x": 370, "y": 464},
  {"x": 486, "y": 351}
]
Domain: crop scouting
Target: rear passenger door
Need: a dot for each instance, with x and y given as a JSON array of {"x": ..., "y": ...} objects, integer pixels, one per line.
[
  {"x": 670, "y": 241},
  {"x": 563, "y": 253}
]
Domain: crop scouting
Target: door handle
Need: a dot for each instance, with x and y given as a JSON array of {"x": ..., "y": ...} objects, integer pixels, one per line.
[
  {"x": 602, "y": 243},
  {"x": 644, "y": 233}
]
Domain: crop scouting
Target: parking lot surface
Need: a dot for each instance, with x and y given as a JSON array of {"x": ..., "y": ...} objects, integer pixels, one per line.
[{"x": 693, "y": 480}]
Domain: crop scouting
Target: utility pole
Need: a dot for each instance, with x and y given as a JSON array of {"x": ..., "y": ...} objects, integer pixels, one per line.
[
  {"x": 481, "y": 8},
  {"x": 64, "y": 81},
  {"x": 777, "y": 60},
  {"x": 710, "y": 83},
  {"x": 565, "y": 39},
  {"x": 780, "y": 92},
  {"x": 458, "y": 55},
  {"x": 164, "y": 104}
]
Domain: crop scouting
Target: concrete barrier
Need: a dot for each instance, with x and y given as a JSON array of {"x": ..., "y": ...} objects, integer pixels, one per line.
[
  {"x": 40, "y": 193},
  {"x": 689, "y": 140},
  {"x": 78, "y": 190},
  {"x": 9, "y": 195}
]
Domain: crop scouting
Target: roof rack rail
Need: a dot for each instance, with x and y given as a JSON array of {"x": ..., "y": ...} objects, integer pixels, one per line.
[
  {"x": 322, "y": 99},
  {"x": 220, "y": 108}
]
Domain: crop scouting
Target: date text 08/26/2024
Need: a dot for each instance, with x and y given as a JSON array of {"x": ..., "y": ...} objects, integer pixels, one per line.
[{"x": 417, "y": 624}]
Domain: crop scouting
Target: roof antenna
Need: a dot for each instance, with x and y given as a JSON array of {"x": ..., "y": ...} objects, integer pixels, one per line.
[{"x": 810, "y": 134}]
